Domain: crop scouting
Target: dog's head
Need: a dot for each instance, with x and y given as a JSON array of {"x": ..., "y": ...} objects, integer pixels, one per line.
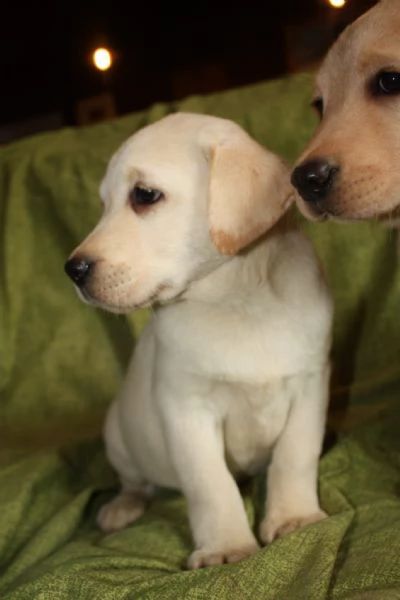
[
  {"x": 180, "y": 197},
  {"x": 350, "y": 169}
]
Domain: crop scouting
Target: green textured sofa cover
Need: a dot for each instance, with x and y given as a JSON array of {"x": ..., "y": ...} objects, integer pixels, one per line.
[{"x": 61, "y": 363}]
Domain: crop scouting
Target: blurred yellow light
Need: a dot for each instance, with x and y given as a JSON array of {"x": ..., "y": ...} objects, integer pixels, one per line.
[
  {"x": 337, "y": 3},
  {"x": 102, "y": 59}
]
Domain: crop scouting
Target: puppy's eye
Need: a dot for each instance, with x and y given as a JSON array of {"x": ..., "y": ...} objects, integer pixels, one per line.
[
  {"x": 141, "y": 197},
  {"x": 318, "y": 106},
  {"x": 387, "y": 83}
]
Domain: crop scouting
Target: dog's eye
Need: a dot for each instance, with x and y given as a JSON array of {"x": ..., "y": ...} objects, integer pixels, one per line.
[
  {"x": 387, "y": 83},
  {"x": 318, "y": 106},
  {"x": 140, "y": 197}
]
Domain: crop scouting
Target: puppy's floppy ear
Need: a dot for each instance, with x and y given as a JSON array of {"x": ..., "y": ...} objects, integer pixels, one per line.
[{"x": 249, "y": 191}]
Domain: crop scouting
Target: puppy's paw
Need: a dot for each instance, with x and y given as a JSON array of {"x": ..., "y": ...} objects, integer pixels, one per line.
[
  {"x": 120, "y": 512},
  {"x": 208, "y": 557},
  {"x": 273, "y": 528}
]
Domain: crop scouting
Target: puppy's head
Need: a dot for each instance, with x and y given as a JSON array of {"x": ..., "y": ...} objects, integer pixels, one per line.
[
  {"x": 180, "y": 197},
  {"x": 350, "y": 168}
]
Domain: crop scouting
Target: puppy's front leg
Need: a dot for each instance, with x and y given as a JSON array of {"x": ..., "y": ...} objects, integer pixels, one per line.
[
  {"x": 292, "y": 498},
  {"x": 217, "y": 517}
]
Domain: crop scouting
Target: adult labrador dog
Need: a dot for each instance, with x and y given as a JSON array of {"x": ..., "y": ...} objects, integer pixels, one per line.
[
  {"x": 231, "y": 372},
  {"x": 350, "y": 169}
]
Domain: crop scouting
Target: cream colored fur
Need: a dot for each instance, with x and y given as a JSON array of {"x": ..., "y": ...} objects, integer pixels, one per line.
[
  {"x": 231, "y": 373},
  {"x": 359, "y": 130}
]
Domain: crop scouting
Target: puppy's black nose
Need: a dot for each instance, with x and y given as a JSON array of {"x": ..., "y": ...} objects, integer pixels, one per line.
[
  {"x": 78, "y": 269},
  {"x": 313, "y": 179}
]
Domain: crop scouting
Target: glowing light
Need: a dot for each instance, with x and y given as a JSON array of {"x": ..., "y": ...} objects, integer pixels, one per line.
[
  {"x": 337, "y": 3},
  {"x": 102, "y": 59}
]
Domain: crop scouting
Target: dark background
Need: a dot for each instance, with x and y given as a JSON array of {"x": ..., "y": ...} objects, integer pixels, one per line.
[{"x": 161, "y": 53}]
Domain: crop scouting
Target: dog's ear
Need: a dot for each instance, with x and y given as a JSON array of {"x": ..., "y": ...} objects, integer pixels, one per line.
[{"x": 249, "y": 191}]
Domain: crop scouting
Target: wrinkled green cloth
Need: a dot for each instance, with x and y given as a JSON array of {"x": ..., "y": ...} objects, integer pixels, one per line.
[{"x": 61, "y": 363}]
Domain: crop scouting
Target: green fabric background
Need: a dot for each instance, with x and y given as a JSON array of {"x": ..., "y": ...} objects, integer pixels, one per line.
[{"x": 61, "y": 363}]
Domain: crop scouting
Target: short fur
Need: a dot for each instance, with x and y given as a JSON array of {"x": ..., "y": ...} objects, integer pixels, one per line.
[
  {"x": 359, "y": 131},
  {"x": 232, "y": 371}
]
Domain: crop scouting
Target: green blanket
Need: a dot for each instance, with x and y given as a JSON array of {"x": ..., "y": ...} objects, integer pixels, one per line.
[{"x": 61, "y": 363}]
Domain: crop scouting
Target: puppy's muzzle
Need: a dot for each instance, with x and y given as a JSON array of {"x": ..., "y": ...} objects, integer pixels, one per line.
[
  {"x": 314, "y": 180},
  {"x": 78, "y": 269}
]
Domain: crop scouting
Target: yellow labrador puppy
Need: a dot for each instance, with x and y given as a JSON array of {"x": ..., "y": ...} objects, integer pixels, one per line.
[
  {"x": 350, "y": 169},
  {"x": 232, "y": 370}
]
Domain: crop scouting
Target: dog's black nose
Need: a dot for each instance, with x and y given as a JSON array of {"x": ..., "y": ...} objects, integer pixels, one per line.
[
  {"x": 313, "y": 179},
  {"x": 78, "y": 269}
]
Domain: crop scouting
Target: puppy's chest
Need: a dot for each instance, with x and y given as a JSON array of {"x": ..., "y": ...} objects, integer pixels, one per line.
[{"x": 254, "y": 419}]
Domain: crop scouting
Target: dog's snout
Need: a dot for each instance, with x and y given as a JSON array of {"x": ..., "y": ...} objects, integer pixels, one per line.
[
  {"x": 313, "y": 179},
  {"x": 78, "y": 269}
]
